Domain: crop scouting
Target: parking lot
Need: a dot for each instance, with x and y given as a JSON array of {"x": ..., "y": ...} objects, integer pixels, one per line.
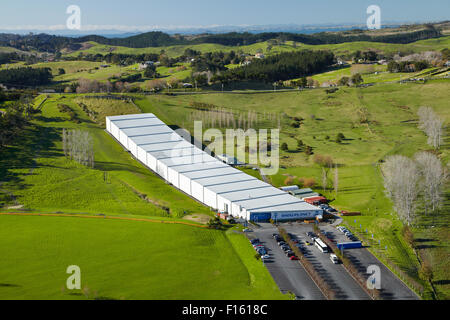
[
  {"x": 392, "y": 288},
  {"x": 289, "y": 275},
  {"x": 344, "y": 285}
]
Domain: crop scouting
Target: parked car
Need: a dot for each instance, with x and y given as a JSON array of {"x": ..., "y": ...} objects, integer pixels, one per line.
[
  {"x": 280, "y": 243},
  {"x": 293, "y": 258},
  {"x": 307, "y": 243},
  {"x": 266, "y": 256},
  {"x": 334, "y": 258},
  {"x": 254, "y": 241},
  {"x": 247, "y": 230},
  {"x": 289, "y": 253},
  {"x": 312, "y": 235}
]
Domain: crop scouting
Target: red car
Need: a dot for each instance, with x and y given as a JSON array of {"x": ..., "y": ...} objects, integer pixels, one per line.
[{"x": 293, "y": 258}]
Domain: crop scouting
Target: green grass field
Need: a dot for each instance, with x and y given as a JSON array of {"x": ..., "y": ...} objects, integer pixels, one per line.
[
  {"x": 338, "y": 49},
  {"x": 119, "y": 259},
  {"x": 392, "y": 129},
  {"x": 42, "y": 179},
  {"x": 127, "y": 260},
  {"x": 392, "y": 124}
]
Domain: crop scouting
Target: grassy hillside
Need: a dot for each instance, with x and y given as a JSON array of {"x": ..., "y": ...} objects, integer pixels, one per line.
[
  {"x": 392, "y": 129},
  {"x": 391, "y": 110},
  {"x": 42, "y": 179},
  {"x": 338, "y": 49},
  {"x": 127, "y": 260}
]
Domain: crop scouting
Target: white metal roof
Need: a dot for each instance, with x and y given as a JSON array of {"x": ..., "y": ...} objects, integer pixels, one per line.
[
  {"x": 146, "y": 131},
  {"x": 160, "y": 141},
  {"x": 165, "y": 146},
  {"x": 201, "y": 167},
  {"x": 131, "y": 116},
  {"x": 236, "y": 187},
  {"x": 260, "y": 193},
  {"x": 205, "y": 182},
  {"x": 210, "y": 173},
  {"x": 133, "y": 123}
]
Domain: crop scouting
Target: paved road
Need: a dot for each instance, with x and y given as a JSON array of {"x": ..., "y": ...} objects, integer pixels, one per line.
[
  {"x": 289, "y": 275},
  {"x": 337, "y": 277},
  {"x": 392, "y": 288}
]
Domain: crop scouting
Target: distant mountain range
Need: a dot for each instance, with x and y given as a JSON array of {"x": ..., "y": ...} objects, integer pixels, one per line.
[
  {"x": 289, "y": 28},
  {"x": 228, "y": 36}
]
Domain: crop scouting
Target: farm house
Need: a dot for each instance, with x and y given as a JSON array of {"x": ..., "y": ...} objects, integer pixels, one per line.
[{"x": 201, "y": 176}]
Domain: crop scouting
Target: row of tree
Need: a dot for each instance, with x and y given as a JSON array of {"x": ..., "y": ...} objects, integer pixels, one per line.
[
  {"x": 320, "y": 281},
  {"x": 432, "y": 125},
  {"x": 407, "y": 66},
  {"x": 13, "y": 120},
  {"x": 51, "y": 43},
  {"x": 411, "y": 183},
  {"x": 78, "y": 145},
  {"x": 26, "y": 76},
  {"x": 284, "y": 66},
  {"x": 215, "y": 61}
]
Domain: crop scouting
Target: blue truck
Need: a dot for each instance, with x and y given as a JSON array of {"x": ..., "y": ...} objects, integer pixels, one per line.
[{"x": 349, "y": 245}]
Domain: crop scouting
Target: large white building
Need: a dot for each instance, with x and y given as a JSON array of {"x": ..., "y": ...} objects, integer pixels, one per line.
[{"x": 202, "y": 176}]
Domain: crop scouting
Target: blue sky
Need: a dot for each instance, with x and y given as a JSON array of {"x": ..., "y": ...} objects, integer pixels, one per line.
[{"x": 120, "y": 15}]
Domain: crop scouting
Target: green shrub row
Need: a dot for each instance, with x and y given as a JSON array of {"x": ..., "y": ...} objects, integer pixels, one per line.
[
  {"x": 329, "y": 293},
  {"x": 374, "y": 293}
]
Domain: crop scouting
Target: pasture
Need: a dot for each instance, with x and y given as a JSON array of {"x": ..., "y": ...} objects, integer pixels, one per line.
[
  {"x": 338, "y": 49},
  {"x": 124, "y": 260}
]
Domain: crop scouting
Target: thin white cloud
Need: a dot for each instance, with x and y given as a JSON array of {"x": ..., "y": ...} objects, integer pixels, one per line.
[{"x": 105, "y": 27}]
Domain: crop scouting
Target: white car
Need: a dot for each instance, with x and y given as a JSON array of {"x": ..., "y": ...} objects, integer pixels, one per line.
[
  {"x": 334, "y": 258},
  {"x": 266, "y": 256}
]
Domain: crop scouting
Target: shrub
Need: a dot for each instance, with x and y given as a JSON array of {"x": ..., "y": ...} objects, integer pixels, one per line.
[
  {"x": 357, "y": 79},
  {"x": 288, "y": 181},
  {"x": 323, "y": 161},
  {"x": 308, "y": 266},
  {"x": 408, "y": 235},
  {"x": 340, "y": 136},
  {"x": 284, "y": 146},
  {"x": 344, "y": 81},
  {"x": 309, "y": 182}
]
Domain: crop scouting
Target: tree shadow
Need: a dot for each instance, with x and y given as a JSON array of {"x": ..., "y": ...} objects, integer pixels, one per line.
[
  {"x": 116, "y": 166},
  {"x": 34, "y": 141},
  {"x": 9, "y": 285}
]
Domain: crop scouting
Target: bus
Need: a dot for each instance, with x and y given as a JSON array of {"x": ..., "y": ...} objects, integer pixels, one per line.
[{"x": 320, "y": 245}]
